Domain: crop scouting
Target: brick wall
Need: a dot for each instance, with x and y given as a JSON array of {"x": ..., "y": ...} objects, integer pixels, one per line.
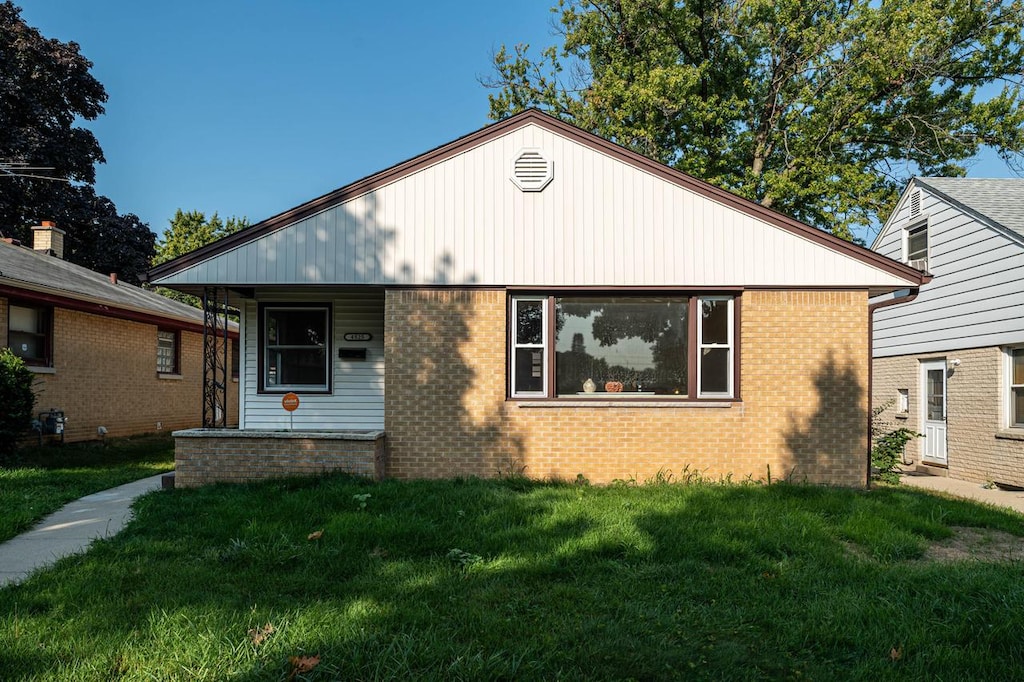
[
  {"x": 206, "y": 456},
  {"x": 979, "y": 446},
  {"x": 105, "y": 375},
  {"x": 803, "y": 411}
]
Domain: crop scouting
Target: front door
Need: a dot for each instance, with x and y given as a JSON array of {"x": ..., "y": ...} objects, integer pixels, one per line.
[{"x": 933, "y": 409}]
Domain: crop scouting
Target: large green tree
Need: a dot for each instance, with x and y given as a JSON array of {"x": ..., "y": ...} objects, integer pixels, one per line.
[
  {"x": 45, "y": 89},
  {"x": 189, "y": 230},
  {"x": 821, "y": 110}
]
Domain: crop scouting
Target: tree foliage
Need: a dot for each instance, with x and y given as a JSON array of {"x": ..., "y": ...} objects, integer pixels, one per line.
[
  {"x": 187, "y": 232},
  {"x": 45, "y": 88},
  {"x": 821, "y": 110}
]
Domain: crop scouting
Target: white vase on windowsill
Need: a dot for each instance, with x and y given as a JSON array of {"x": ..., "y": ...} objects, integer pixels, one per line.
[{"x": 589, "y": 386}]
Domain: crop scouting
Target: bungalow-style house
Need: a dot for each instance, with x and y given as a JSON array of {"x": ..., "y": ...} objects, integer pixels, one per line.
[
  {"x": 531, "y": 298},
  {"x": 950, "y": 364},
  {"x": 105, "y": 353}
]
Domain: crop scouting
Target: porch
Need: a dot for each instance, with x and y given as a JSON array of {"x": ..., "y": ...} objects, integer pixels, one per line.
[{"x": 204, "y": 456}]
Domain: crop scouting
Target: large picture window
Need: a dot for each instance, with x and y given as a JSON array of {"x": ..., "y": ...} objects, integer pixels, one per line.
[
  {"x": 30, "y": 334},
  {"x": 295, "y": 345},
  {"x": 622, "y": 346}
]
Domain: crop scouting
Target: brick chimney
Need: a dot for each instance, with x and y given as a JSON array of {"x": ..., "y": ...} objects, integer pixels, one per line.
[{"x": 49, "y": 238}]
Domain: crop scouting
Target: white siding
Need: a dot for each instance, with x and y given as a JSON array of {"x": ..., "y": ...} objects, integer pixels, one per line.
[
  {"x": 976, "y": 296},
  {"x": 357, "y": 397},
  {"x": 601, "y": 222}
]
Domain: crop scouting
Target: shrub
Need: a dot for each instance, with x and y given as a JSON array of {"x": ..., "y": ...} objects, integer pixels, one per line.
[
  {"x": 887, "y": 445},
  {"x": 18, "y": 400}
]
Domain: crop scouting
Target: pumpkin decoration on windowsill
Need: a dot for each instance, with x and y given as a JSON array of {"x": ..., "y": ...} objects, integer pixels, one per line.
[{"x": 613, "y": 386}]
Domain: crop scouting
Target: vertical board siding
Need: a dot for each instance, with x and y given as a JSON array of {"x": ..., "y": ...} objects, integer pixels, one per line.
[
  {"x": 976, "y": 296},
  {"x": 357, "y": 397},
  {"x": 600, "y": 222}
]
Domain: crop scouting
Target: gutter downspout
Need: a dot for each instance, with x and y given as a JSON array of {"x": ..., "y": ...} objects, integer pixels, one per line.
[{"x": 872, "y": 307}]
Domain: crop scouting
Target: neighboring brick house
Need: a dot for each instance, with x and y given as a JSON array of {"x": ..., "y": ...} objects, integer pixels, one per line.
[
  {"x": 104, "y": 352},
  {"x": 950, "y": 364},
  {"x": 531, "y": 298}
]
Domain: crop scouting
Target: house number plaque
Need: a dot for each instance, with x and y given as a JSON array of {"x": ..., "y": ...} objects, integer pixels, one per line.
[{"x": 359, "y": 336}]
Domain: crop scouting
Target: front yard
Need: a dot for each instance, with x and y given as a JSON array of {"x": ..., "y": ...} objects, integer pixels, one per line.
[
  {"x": 344, "y": 579},
  {"x": 46, "y": 478}
]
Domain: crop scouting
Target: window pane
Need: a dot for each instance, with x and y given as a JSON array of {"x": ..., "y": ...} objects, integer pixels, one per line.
[
  {"x": 714, "y": 370},
  {"x": 530, "y": 322},
  {"x": 917, "y": 243},
  {"x": 297, "y": 367},
  {"x": 638, "y": 342},
  {"x": 26, "y": 320},
  {"x": 27, "y": 346},
  {"x": 529, "y": 370},
  {"x": 1018, "y": 366},
  {"x": 715, "y": 322},
  {"x": 935, "y": 395},
  {"x": 1017, "y": 407},
  {"x": 165, "y": 342},
  {"x": 296, "y": 327}
]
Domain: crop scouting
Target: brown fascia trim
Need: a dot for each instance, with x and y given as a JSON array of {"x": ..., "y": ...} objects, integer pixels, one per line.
[
  {"x": 91, "y": 307},
  {"x": 872, "y": 307},
  {"x": 558, "y": 127}
]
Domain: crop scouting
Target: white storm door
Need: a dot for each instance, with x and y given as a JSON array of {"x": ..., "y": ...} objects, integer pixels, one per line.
[{"x": 933, "y": 410}]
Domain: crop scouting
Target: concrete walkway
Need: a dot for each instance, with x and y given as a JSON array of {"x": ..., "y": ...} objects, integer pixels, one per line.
[
  {"x": 70, "y": 530},
  {"x": 971, "y": 491}
]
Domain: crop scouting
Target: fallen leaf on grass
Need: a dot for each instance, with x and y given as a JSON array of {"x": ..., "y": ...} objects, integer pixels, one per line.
[
  {"x": 302, "y": 664},
  {"x": 259, "y": 635},
  {"x": 895, "y": 653},
  {"x": 315, "y": 535}
]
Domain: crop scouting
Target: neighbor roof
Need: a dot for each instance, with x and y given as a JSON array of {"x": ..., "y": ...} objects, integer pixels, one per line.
[
  {"x": 1001, "y": 200},
  {"x": 36, "y": 275}
]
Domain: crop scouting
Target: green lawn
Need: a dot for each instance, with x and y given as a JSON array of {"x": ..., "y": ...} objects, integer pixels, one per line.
[
  {"x": 515, "y": 580},
  {"x": 49, "y": 477}
]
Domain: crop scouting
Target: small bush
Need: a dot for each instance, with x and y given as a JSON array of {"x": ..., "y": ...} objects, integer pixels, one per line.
[
  {"x": 18, "y": 400},
  {"x": 887, "y": 445}
]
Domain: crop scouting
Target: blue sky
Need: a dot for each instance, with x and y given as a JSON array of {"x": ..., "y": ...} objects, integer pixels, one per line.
[{"x": 251, "y": 108}]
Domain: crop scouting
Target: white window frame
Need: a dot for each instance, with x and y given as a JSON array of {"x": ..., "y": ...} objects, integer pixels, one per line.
[
  {"x": 264, "y": 315},
  {"x": 515, "y": 345},
  {"x": 921, "y": 223},
  {"x": 730, "y": 346},
  {"x": 1010, "y": 386}
]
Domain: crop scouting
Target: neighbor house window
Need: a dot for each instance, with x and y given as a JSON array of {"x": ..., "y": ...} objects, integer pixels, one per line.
[
  {"x": 295, "y": 347},
  {"x": 917, "y": 244},
  {"x": 1016, "y": 374},
  {"x": 166, "y": 352},
  {"x": 621, "y": 346},
  {"x": 30, "y": 334}
]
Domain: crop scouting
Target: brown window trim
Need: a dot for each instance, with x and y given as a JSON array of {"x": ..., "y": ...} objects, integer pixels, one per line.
[
  {"x": 176, "y": 369},
  {"x": 261, "y": 307},
  {"x": 693, "y": 295},
  {"x": 47, "y": 311}
]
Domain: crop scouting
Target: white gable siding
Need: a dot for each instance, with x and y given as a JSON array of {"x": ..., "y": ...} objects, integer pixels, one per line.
[
  {"x": 600, "y": 222},
  {"x": 976, "y": 297},
  {"x": 357, "y": 398}
]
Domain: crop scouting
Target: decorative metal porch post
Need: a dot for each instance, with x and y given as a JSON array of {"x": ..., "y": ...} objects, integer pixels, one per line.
[{"x": 215, "y": 358}]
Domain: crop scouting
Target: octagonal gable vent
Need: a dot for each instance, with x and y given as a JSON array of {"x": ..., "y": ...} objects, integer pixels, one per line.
[{"x": 531, "y": 170}]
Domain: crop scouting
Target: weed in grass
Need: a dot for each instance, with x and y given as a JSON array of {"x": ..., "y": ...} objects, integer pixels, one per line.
[{"x": 361, "y": 500}]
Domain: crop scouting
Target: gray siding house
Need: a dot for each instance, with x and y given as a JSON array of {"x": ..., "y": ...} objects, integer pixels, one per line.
[{"x": 950, "y": 364}]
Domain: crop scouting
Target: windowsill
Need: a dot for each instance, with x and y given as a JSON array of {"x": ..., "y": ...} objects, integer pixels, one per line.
[
  {"x": 1010, "y": 434},
  {"x": 171, "y": 377},
  {"x": 41, "y": 370},
  {"x": 902, "y": 416},
  {"x": 666, "y": 403}
]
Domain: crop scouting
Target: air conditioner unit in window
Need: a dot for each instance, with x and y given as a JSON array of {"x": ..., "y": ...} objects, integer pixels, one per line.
[{"x": 919, "y": 264}]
